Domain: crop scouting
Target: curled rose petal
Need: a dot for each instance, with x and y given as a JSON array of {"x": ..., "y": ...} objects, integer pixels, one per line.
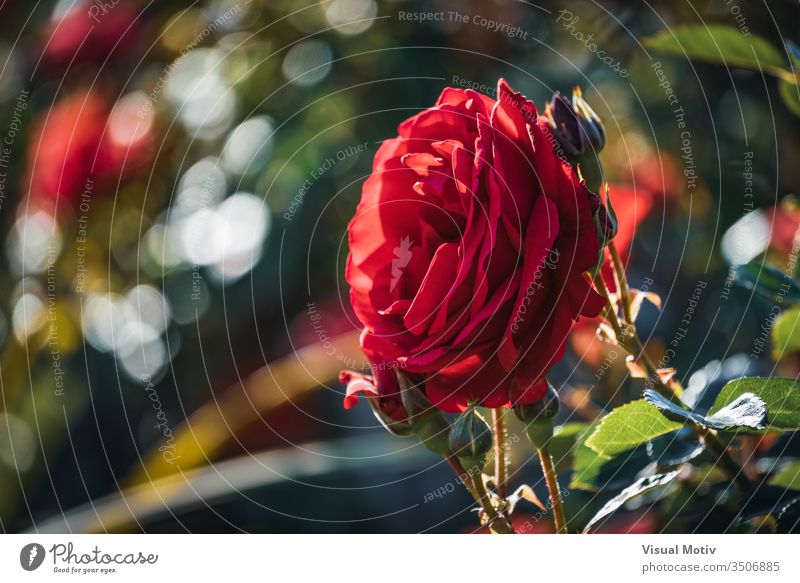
[{"x": 356, "y": 385}]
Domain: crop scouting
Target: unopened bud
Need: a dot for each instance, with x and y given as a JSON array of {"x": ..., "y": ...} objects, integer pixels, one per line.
[
  {"x": 471, "y": 439},
  {"x": 605, "y": 222},
  {"x": 539, "y": 416},
  {"x": 427, "y": 422},
  {"x": 575, "y": 125}
]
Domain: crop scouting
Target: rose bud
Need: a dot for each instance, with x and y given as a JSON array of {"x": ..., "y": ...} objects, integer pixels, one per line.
[
  {"x": 605, "y": 221},
  {"x": 427, "y": 422},
  {"x": 576, "y": 127},
  {"x": 605, "y": 218},
  {"x": 471, "y": 439},
  {"x": 469, "y": 251},
  {"x": 538, "y": 417}
]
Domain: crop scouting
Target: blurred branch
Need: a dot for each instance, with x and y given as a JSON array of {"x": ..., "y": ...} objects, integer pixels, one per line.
[{"x": 198, "y": 440}]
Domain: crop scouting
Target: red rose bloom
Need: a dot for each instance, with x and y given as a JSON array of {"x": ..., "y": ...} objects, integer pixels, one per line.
[{"x": 468, "y": 252}]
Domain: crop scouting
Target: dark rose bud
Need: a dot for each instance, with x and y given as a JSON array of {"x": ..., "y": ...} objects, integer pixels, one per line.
[
  {"x": 546, "y": 408},
  {"x": 605, "y": 221},
  {"x": 471, "y": 439},
  {"x": 575, "y": 125},
  {"x": 539, "y": 417}
]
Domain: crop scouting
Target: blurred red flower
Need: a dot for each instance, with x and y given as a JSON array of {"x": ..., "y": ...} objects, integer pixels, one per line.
[
  {"x": 88, "y": 34},
  {"x": 784, "y": 221},
  {"x": 81, "y": 138}
]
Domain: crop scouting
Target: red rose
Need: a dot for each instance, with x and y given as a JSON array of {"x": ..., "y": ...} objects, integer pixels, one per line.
[{"x": 468, "y": 252}]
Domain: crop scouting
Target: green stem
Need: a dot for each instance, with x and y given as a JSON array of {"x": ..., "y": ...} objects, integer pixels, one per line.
[
  {"x": 500, "y": 453},
  {"x": 726, "y": 461},
  {"x": 611, "y": 308},
  {"x": 462, "y": 473},
  {"x": 550, "y": 478},
  {"x": 622, "y": 283},
  {"x": 497, "y": 523}
]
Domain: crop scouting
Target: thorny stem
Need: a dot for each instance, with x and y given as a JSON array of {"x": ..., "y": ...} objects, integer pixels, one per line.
[
  {"x": 721, "y": 452},
  {"x": 556, "y": 502},
  {"x": 611, "y": 307},
  {"x": 632, "y": 344},
  {"x": 498, "y": 524},
  {"x": 500, "y": 453},
  {"x": 622, "y": 283}
]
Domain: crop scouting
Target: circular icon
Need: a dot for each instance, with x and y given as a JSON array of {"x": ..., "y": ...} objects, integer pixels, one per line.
[{"x": 31, "y": 556}]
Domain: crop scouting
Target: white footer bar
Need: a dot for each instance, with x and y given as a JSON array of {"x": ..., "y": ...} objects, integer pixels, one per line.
[{"x": 398, "y": 558}]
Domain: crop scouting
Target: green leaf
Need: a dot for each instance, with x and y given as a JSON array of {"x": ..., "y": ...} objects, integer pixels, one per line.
[
  {"x": 563, "y": 444},
  {"x": 593, "y": 472},
  {"x": 767, "y": 281},
  {"x": 638, "y": 488},
  {"x": 746, "y": 411},
  {"x": 720, "y": 44},
  {"x": 587, "y": 464},
  {"x": 787, "y": 477},
  {"x": 786, "y": 333},
  {"x": 671, "y": 409},
  {"x": 674, "y": 448},
  {"x": 790, "y": 94},
  {"x": 781, "y": 396},
  {"x": 628, "y": 426}
]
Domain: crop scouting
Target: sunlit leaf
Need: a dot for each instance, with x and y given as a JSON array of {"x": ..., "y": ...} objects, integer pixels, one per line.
[
  {"x": 563, "y": 444},
  {"x": 588, "y": 463},
  {"x": 628, "y": 426},
  {"x": 746, "y": 411},
  {"x": 781, "y": 397}
]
